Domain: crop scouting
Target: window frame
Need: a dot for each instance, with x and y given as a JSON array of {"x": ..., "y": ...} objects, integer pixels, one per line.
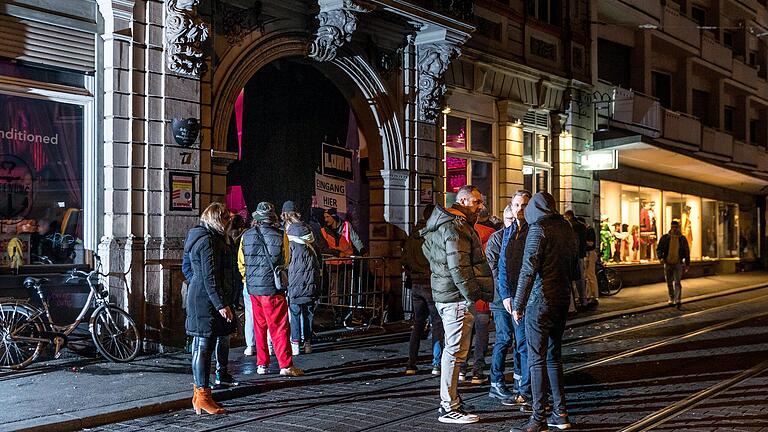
[{"x": 531, "y": 162}]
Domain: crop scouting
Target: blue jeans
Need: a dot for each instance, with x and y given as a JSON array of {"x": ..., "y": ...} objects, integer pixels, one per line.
[
  {"x": 250, "y": 336},
  {"x": 504, "y": 341},
  {"x": 301, "y": 321},
  {"x": 521, "y": 359},
  {"x": 544, "y": 327}
]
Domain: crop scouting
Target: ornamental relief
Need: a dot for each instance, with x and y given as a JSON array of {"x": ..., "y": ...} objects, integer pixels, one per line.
[
  {"x": 185, "y": 37},
  {"x": 433, "y": 61}
]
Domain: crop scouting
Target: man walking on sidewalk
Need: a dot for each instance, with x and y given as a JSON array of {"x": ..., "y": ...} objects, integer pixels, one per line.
[
  {"x": 506, "y": 262},
  {"x": 417, "y": 267},
  {"x": 460, "y": 276},
  {"x": 542, "y": 297},
  {"x": 673, "y": 252}
]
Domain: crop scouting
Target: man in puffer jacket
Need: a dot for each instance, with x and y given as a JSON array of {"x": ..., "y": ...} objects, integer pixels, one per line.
[
  {"x": 543, "y": 295},
  {"x": 460, "y": 276},
  {"x": 303, "y": 284}
]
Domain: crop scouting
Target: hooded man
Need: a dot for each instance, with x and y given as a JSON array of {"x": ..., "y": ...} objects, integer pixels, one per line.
[
  {"x": 460, "y": 277},
  {"x": 550, "y": 265}
]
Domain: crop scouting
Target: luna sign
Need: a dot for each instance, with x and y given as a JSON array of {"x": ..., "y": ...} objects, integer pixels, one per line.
[
  {"x": 16, "y": 187},
  {"x": 337, "y": 162},
  {"x": 185, "y": 131}
]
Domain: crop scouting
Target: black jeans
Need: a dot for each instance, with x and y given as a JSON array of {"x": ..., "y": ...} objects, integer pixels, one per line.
[
  {"x": 202, "y": 348},
  {"x": 544, "y": 327},
  {"x": 423, "y": 309}
]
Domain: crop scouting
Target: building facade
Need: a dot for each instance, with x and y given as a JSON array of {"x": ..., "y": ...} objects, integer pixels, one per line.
[{"x": 681, "y": 98}]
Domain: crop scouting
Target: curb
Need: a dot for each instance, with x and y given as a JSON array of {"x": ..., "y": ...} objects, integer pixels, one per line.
[{"x": 579, "y": 322}]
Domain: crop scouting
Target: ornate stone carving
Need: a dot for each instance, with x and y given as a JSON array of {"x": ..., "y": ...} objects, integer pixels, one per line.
[
  {"x": 434, "y": 59},
  {"x": 237, "y": 23},
  {"x": 185, "y": 35},
  {"x": 336, "y": 25}
]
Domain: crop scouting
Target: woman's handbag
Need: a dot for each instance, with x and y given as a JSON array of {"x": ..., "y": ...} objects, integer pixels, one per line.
[{"x": 280, "y": 273}]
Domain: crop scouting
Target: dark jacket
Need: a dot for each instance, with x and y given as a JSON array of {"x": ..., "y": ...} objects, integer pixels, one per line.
[
  {"x": 453, "y": 249},
  {"x": 304, "y": 266},
  {"x": 254, "y": 260},
  {"x": 550, "y": 263},
  {"x": 211, "y": 286},
  {"x": 513, "y": 244},
  {"x": 590, "y": 237},
  {"x": 492, "y": 251},
  {"x": 413, "y": 259},
  {"x": 663, "y": 249},
  {"x": 581, "y": 235}
]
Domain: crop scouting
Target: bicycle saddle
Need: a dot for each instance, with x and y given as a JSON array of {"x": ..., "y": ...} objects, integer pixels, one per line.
[{"x": 33, "y": 281}]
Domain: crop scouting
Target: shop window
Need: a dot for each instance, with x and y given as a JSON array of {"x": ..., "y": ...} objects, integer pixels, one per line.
[
  {"x": 686, "y": 209},
  {"x": 728, "y": 230},
  {"x": 630, "y": 223},
  {"x": 469, "y": 157},
  {"x": 537, "y": 169},
  {"x": 708, "y": 229},
  {"x": 41, "y": 156},
  {"x": 749, "y": 243}
]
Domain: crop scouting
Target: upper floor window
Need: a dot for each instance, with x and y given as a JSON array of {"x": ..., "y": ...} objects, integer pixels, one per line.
[
  {"x": 469, "y": 157},
  {"x": 537, "y": 165},
  {"x": 661, "y": 86},
  {"x": 699, "y": 15},
  {"x": 548, "y": 11}
]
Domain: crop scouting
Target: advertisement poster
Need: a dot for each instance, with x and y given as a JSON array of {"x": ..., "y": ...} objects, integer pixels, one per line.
[
  {"x": 330, "y": 192},
  {"x": 182, "y": 191},
  {"x": 426, "y": 190}
]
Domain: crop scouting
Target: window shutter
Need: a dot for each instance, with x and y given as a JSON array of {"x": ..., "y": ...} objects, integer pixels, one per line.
[{"x": 536, "y": 119}]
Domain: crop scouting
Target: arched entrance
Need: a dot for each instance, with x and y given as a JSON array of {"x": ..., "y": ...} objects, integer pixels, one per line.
[{"x": 285, "y": 124}]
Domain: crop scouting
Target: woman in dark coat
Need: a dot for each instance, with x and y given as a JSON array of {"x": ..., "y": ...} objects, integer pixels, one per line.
[
  {"x": 303, "y": 284},
  {"x": 210, "y": 300}
]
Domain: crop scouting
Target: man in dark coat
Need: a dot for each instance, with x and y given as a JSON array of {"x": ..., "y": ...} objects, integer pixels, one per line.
[
  {"x": 543, "y": 295},
  {"x": 460, "y": 277},
  {"x": 674, "y": 253}
]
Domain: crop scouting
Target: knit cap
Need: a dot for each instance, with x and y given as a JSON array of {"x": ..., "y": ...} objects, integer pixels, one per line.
[{"x": 265, "y": 211}]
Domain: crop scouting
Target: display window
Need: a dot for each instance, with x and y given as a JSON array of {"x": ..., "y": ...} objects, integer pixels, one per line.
[
  {"x": 469, "y": 157},
  {"x": 634, "y": 218}
]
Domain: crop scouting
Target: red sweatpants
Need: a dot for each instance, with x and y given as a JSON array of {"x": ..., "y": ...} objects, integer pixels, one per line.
[{"x": 271, "y": 312}]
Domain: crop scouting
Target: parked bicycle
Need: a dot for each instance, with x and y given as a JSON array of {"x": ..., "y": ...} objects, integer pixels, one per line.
[
  {"x": 26, "y": 329},
  {"x": 608, "y": 280}
]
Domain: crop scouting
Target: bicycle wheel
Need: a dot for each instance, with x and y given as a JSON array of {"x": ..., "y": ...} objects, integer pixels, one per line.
[
  {"x": 612, "y": 282},
  {"x": 18, "y": 331},
  {"x": 114, "y": 334}
]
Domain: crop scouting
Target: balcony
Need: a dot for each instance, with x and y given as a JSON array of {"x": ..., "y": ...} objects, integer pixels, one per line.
[
  {"x": 681, "y": 27},
  {"x": 649, "y": 7},
  {"x": 717, "y": 143},
  {"x": 682, "y": 128},
  {"x": 717, "y": 54},
  {"x": 628, "y": 109},
  {"x": 745, "y": 154},
  {"x": 744, "y": 73}
]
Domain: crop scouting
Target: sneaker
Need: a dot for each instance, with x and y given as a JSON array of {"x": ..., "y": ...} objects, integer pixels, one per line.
[
  {"x": 292, "y": 371},
  {"x": 525, "y": 405},
  {"x": 295, "y": 348},
  {"x": 224, "y": 379},
  {"x": 457, "y": 416},
  {"x": 557, "y": 421},
  {"x": 436, "y": 370},
  {"x": 261, "y": 369},
  {"x": 479, "y": 378},
  {"x": 411, "y": 370},
  {"x": 531, "y": 426},
  {"x": 501, "y": 392},
  {"x": 462, "y": 376},
  {"x": 670, "y": 303},
  {"x": 307, "y": 348},
  {"x": 249, "y": 351}
]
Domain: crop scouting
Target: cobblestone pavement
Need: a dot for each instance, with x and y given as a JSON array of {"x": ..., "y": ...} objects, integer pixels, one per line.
[{"x": 605, "y": 397}]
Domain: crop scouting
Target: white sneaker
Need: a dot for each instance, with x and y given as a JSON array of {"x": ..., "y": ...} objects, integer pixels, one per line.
[
  {"x": 457, "y": 416},
  {"x": 261, "y": 369},
  {"x": 291, "y": 371},
  {"x": 249, "y": 351},
  {"x": 307, "y": 348},
  {"x": 462, "y": 376},
  {"x": 295, "y": 348}
]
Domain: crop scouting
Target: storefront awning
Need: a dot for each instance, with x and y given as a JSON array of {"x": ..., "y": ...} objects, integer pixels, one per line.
[{"x": 638, "y": 152}]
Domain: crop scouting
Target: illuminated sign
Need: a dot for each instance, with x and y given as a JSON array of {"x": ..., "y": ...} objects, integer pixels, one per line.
[{"x": 598, "y": 160}]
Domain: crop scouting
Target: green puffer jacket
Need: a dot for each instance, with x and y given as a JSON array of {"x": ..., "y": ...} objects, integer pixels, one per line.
[{"x": 455, "y": 254}]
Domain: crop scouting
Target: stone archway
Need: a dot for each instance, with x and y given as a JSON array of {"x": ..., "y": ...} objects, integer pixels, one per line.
[{"x": 366, "y": 93}]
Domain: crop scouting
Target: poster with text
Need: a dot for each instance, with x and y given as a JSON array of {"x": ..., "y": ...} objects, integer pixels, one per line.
[
  {"x": 330, "y": 193},
  {"x": 182, "y": 191}
]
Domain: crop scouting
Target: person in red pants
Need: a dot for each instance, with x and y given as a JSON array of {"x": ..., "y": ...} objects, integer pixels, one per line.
[{"x": 261, "y": 251}]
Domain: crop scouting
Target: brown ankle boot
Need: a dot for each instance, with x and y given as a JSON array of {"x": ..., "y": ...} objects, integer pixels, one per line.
[
  {"x": 203, "y": 400},
  {"x": 194, "y": 394}
]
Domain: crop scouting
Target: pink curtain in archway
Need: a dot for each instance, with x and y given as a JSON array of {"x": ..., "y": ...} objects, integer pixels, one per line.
[{"x": 235, "y": 200}]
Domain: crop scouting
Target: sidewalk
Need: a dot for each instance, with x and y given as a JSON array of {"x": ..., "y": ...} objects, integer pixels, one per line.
[{"x": 76, "y": 393}]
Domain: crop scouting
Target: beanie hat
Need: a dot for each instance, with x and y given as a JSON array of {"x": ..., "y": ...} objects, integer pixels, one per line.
[
  {"x": 265, "y": 211},
  {"x": 289, "y": 206}
]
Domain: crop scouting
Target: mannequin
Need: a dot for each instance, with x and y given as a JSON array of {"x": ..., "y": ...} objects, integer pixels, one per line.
[{"x": 685, "y": 225}]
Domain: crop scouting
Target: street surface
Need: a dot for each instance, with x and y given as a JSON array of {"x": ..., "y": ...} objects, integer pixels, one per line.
[{"x": 697, "y": 348}]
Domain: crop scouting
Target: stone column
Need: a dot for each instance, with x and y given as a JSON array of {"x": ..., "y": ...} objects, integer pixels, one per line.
[{"x": 572, "y": 134}]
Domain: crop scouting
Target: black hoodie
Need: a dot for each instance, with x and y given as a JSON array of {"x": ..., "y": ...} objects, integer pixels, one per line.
[{"x": 550, "y": 262}]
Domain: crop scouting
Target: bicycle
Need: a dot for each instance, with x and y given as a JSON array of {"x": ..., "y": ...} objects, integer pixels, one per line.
[
  {"x": 26, "y": 329},
  {"x": 608, "y": 280}
]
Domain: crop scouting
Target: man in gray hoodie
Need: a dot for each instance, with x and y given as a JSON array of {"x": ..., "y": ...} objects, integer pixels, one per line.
[{"x": 542, "y": 297}]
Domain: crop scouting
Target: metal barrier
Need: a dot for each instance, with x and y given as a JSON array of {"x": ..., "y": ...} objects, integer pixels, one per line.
[{"x": 353, "y": 289}]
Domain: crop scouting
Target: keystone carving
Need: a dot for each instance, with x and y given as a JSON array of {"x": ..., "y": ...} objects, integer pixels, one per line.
[
  {"x": 336, "y": 26},
  {"x": 433, "y": 62},
  {"x": 185, "y": 35},
  {"x": 239, "y": 23}
]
